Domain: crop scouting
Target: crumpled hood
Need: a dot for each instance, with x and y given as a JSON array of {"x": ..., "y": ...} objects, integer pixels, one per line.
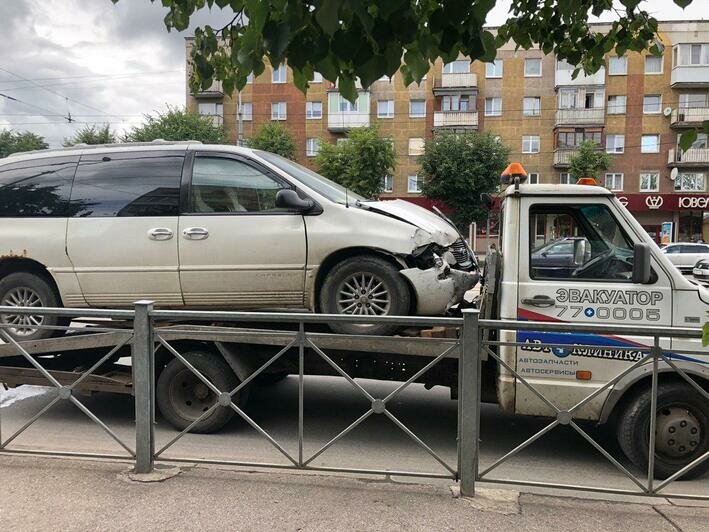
[{"x": 441, "y": 232}]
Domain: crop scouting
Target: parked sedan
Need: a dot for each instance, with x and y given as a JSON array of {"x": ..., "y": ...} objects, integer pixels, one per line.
[
  {"x": 701, "y": 271},
  {"x": 685, "y": 255}
]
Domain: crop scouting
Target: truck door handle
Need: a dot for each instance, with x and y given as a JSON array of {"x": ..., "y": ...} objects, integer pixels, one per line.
[
  {"x": 195, "y": 233},
  {"x": 160, "y": 233},
  {"x": 539, "y": 301}
]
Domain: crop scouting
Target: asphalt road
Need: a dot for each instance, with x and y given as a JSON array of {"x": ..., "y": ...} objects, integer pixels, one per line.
[{"x": 331, "y": 404}]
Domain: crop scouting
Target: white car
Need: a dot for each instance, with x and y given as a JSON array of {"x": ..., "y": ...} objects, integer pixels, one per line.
[
  {"x": 192, "y": 225},
  {"x": 685, "y": 255}
]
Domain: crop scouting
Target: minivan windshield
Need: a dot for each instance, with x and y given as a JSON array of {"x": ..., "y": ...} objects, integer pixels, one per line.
[{"x": 322, "y": 185}]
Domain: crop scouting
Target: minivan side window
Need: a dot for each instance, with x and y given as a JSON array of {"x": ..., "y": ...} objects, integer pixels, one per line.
[
  {"x": 128, "y": 184},
  {"x": 224, "y": 185},
  {"x": 38, "y": 187}
]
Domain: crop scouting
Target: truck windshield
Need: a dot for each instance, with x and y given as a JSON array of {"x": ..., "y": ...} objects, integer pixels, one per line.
[{"x": 322, "y": 185}]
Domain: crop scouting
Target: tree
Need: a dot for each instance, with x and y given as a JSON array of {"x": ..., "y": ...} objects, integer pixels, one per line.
[
  {"x": 457, "y": 168},
  {"x": 367, "y": 39},
  {"x": 274, "y": 137},
  {"x": 177, "y": 124},
  {"x": 360, "y": 163},
  {"x": 14, "y": 141},
  {"x": 92, "y": 135},
  {"x": 588, "y": 161}
]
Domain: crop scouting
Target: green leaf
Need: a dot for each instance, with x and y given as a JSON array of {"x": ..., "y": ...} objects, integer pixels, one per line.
[
  {"x": 705, "y": 336},
  {"x": 683, "y": 4},
  {"x": 687, "y": 139},
  {"x": 327, "y": 16},
  {"x": 275, "y": 39}
]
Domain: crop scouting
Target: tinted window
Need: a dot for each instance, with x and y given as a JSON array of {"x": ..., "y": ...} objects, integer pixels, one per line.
[
  {"x": 671, "y": 249},
  {"x": 39, "y": 187},
  {"x": 128, "y": 184},
  {"x": 222, "y": 185}
]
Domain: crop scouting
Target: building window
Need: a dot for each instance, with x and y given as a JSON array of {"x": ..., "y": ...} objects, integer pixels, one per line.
[
  {"x": 653, "y": 64},
  {"x": 279, "y": 75},
  {"x": 533, "y": 178},
  {"x": 652, "y": 104},
  {"x": 693, "y": 100},
  {"x": 460, "y": 66},
  {"x": 532, "y": 67},
  {"x": 493, "y": 106},
  {"x": 247, "y": 111},
  {"x": 317, "y": 78},
  {"x": 690, "y": 182},
  {"x": 312, "y": 147},
  {"x": 614, "y": 182},
  {"x": 250, "y": 78},
  {"x": 532, "y": 106},
  {"x": 455, "y": 103},
  {"x": 313, "y": 110},
  {"x": 562, "y": 65},
  {"x": 494, "y": 69},
  {"x": 388, "y": 183},
  {"x": 278, "y": 111},
  {"x": 649, "y": 181},
  {"x": 690, "y": 54},
  {"x": 416, "y": 146},
  {"x": 616, "y": 104},
  {"x": 615, "y": 143},
  {"x": 650, "y": 144},
  {"x": 417, "y": 108},
  {"x": 385, "y": 109},
  {"x": 214, "y": 110},
  {"x": 617, "y": 66},
  {"x": 564, "y": 178},
  {"x": 571, "y": 139},
  {"x": 413, "y": 184},
  {"x": 530, "y": 144}
]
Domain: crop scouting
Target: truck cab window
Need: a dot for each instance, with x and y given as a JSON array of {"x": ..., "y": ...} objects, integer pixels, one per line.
[{"x": 578, "y": 242}]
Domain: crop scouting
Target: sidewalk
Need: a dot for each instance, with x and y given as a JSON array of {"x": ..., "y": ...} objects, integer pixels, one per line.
[{"x": 47, "y": 493}]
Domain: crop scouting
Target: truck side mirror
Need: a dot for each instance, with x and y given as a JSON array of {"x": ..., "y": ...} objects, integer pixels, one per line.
[
  {"x": 580, "y": 251},
  {"x": 641, "y": 263},
  {"x": 287, "y": 198}
]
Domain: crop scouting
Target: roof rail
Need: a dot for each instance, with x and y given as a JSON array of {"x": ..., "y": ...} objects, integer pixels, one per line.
[{"x": 83, "y": 146}]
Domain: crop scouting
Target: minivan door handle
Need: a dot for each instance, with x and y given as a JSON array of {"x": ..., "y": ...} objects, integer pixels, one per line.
[
  {"x": 195, "y": 233},
  {"x": 160, "y": 233},
  {"x": 539, "y": 301}
]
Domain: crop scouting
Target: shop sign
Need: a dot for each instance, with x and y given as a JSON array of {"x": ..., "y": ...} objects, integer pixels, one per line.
[{"x": 664, "y": 202}]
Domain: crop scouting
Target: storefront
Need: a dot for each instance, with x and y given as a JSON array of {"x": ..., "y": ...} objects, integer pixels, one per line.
[{"x": 688, "y": 214}]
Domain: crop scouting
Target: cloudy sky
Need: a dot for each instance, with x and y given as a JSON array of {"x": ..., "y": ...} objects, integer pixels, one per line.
[{"x": 111, "y": 64}]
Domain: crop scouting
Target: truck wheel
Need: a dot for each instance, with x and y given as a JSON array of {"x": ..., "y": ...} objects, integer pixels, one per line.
[
  {"x": 365, "y": 286},
  {"x": 182, "y": 397},
  {"x": 28, "y": 290},
  {"x": 682, "y": 430}
]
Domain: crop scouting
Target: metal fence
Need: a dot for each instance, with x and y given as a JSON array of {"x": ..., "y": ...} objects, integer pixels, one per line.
[{"x": 146, "y": 334}]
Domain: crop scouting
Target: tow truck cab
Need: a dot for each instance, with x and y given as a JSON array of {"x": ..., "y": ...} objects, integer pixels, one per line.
[{"x": 605, "y": 284}]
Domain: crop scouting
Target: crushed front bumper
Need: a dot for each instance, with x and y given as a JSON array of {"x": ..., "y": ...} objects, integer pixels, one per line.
[{"x": 439, "y": 288}]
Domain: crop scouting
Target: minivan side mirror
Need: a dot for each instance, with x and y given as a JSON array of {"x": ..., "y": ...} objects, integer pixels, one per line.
[
  {"x": 287, "y": 198},
  {"x": 641, "y": 263}
]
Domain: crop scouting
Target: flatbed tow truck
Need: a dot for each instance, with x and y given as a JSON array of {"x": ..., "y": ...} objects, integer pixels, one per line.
[{"x": 612, "y": 273}]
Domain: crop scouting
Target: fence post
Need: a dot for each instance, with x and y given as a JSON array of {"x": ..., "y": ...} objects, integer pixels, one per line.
[
  {"x": 469, "y": 401},
  {"x": 143, "y": 382}
]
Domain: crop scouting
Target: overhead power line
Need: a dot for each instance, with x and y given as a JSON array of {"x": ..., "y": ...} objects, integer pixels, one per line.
[{"x": 45, "y": 112}]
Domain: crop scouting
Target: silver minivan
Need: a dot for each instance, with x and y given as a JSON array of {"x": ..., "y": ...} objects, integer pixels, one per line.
[{"x": 213, "y": 226}]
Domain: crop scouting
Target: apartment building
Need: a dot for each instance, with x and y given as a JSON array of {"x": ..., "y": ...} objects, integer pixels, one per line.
[{"x": 635, "y": 108}]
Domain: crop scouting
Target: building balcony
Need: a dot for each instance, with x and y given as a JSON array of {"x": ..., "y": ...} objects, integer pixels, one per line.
[
  {"x": 690, "y": 157},
  {"x": 214, "y": 91},
  {"x": 689, "y": 117},
  {"x": 455, "y": 119},
  {"x": 456, "y": 83},
  {"x": 344, "y": 120},
  {"x": 580, "y": 117},
  {"x": 689, "y": 76},
  {"x": 562, "y": 157},
  {"x": 563, "y": 78}
]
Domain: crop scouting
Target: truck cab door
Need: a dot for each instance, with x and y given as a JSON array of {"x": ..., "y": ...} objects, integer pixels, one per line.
[{"x": 597, "y": 289}]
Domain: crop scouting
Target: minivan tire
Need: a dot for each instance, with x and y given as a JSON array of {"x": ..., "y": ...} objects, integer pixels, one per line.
[
  {"x": 377, "y": 281},
  {"x": 20, "y": 287},
  {"x": 182, "y": 397},
  {"x": 676, "y": 399}
]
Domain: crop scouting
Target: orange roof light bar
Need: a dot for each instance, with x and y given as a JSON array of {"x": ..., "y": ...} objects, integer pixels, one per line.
[
  {"x": 514, "y": 170},
  {"x": 587, "y": 181}
]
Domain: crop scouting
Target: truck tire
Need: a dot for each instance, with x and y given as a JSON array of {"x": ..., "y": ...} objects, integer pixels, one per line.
[
  {"x": 366, "y": 286},
  {"x": 182, "y": 397},
  {"x": 24, "y": 289},
  {"x": 682, "y": 430}
]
